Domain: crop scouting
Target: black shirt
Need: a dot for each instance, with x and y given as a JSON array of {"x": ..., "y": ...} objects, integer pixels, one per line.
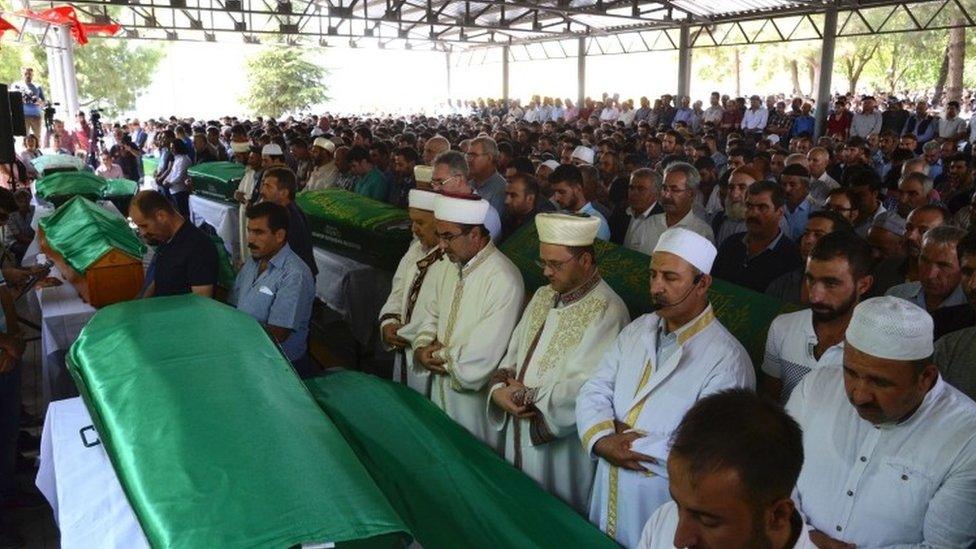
[
  {"x": 127, "y": 161},
  {"x": 951, "y": 319},
  {"x": 734, "y": 265},
  {"x": 188, "y": 259},
  {"x": 300, "y": 237}
]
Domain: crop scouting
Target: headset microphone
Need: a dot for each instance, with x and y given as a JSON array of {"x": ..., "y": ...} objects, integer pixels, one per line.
[{"x": 655, "y": 307}]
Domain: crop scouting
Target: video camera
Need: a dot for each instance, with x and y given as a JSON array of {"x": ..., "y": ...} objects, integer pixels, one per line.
[
  {"x": 95, "y": 121},
  {"x": 49, "y": 112}
]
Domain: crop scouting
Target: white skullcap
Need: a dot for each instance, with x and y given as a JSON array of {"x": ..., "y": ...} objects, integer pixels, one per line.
[
  {"x": 583, "y": 153},
  {"x": 238, "y": 147},
  {"x": 688, "y": 245},
  {"x": 772, "y": 138},
  {"x": 271, "y": 149},
  {"x": 423, "y": 174},
  {"x": 422, "y": 200},
  {"x": 566, "y": 229},
  {"x": 891, "y": 328},
  {"x": 325, "y": 144},
  {"x": 551, "y": 164},
  {"x": 461, "y": 209}
]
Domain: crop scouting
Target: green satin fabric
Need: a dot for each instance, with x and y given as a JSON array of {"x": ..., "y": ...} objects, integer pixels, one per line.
[
  {"x": 450, "y": 489},
  {"x": 358, "y": 227},
  {"x": 119, "y": 187},
  {"x": 63, "y": 184},
  {"x": 214, "y": 438},
  {"x": 216, "y": 180},
  {"x": 745, "y": 313},
  {"x": 82, "y": 232}
]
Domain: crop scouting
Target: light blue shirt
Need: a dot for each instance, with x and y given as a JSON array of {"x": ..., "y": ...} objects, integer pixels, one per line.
[
  {"x": 604, "y": 232},
  {"x": 281, "y": 296},
  {"x": 914, "y": 292},
  {"x": 797, "y": 219}
]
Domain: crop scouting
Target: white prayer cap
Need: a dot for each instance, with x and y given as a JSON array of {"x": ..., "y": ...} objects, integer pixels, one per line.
[
  {"x": 323, "y": 143},
  {"x": 423, "y": 174},
  {"x": 551, "y": 164},
  {"x": 566, "y": 229},
  {"x": 237, "y": 147},
  {"x": 271, "y": 149},
  {"x": 584, "y": 154},
  {"x": 891, "y": 328},
  {"x": 466, "y": 210},
  {"x": 772, "y": 138},
  {"x": 688, "y": 245},
  {"x": 422, "y": 200}
]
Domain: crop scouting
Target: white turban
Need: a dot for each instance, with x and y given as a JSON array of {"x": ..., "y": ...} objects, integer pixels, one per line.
[
  {"x": 891, "y": 328},
  {"x": 325, "y": 144},
  {"x": 422, "y": 200},
  {"x": 566, "y": 230},
  {"x": 423, "y": 174},
  {"x": 584, "y": 154},
  {"x": 688, "y": 245},
  {"x": 271, "y": 149},
  {"x": 461, "y": 209}
]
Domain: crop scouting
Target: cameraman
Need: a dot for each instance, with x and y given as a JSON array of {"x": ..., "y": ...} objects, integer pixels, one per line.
[
  {"x": 125, "y": 154},
  {"x": 33, "y": 101}
]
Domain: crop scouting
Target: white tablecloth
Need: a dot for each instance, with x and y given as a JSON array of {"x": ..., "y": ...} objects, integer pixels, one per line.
[
  {"x": 80, "y": 484},
  {"x": 222, "y": 217},
  {"x": 355, "y": 290},
  {"x": 77, "y": 478}
]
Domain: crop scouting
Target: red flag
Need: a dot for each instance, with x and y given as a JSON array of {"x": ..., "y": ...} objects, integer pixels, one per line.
[
  {"x": 66, "y": 15},
  {"x": 5, "y": 26}
]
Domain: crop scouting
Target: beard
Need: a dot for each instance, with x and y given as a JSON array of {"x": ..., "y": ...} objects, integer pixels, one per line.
[
  {"x": 736, "y": 211},
  {"x": 826, "y": 313}
]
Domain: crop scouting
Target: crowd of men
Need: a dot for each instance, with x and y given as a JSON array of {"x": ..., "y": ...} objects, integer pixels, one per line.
[{"x": 658, "y": 428}]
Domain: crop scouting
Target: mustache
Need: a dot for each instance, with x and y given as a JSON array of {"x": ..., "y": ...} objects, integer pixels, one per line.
[{"x": 251, "y": 247}]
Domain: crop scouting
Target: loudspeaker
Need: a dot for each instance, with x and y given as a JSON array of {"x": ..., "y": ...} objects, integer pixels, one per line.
[
  {"x": 17, "y": 114},
  {"x": 6, "y": 129}
]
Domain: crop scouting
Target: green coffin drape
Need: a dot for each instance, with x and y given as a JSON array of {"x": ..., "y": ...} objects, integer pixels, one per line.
[
  {"x": 747, "y": 314},
  {"x": 450, "y": 489},
  {"x": 216, "y": 180},
  {"x": 82, "y": 232},
  {"x": 64, "y": 185},
  {"x": 355, "y": 226},
  {"x": 215, "y": 440}
]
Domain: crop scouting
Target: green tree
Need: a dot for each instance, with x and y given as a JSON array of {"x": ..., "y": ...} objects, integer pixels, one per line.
[
  {"x": 111, "y": 73},
  {"x": 280, "y": 80}
]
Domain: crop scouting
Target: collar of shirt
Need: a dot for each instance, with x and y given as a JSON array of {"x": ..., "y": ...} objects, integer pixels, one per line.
[
  {"x": 646, "y": 213},
  {"x": 684, "y": 332},
  {"x": 922, "y": 412},
  {"x": 772, "y": 245},
  {"x": 812, "y": 339},
  {"x": 805, "y": 205},
  {"x": 477, "y": 260},
  {"x": 580, "y": 291}
]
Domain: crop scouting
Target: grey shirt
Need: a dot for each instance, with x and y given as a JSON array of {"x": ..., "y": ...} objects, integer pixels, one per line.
[
  {"x": 492, "y": 190},
  {"x": 955, "y": 355}
]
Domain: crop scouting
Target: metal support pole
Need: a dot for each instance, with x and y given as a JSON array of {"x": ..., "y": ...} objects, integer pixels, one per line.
[
  {"x": 447, "y": 58},
  {"x": 826, "y": 70},
  {"x": 505, "y": 73},
  {"x": 581, "y": 72},
  {"x": 684, "y": 62},
  {"x": 68, "y": 72},
  {"x": 55, "y": 89}
]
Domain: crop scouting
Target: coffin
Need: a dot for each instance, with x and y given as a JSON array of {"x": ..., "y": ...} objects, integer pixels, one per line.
[
  {"x": 94, "y": 250},
  {"x": 59, "y": 187},
  {"x": 47, "y": 164},
  {"x": 357, "y": 227},
  {"x": 745, "y": 313},
  {"x": 216, "y": 180},
  {"x": 120, "y": 193}
]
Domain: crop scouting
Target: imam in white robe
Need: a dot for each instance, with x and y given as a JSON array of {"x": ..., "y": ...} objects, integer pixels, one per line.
[
  {"x": 472, "y": 314},
  {"x": 698, "y": 359},
  {"x": 405, "y": 306},
  {"x": 246, "y": 186},
  {"x": 555, "y": 348}
]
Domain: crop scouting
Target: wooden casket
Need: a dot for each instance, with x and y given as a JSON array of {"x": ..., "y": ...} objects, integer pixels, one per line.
[
  {"x": 60, "y": 187},
  {"x": 216, "y": 180},
  {"x": 357, "y": 227},
  {"x": 95, "y": 250}
]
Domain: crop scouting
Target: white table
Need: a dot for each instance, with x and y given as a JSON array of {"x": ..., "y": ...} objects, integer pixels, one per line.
[
  {"x": 221, "y": 216},
  {"x": 355, "y": 290},
  {"x": 77, "y": 478}
]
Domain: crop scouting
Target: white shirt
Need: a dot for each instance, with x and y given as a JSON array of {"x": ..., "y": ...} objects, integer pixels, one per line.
[
  {"x": 649, "y": 379},
  {"x": 639, "y": 230},
  {"x": 609, "y": 114},
  {"x": 627, "y": 117},
  {"x": 658, "y": 223},
  {"x": 789, "y": 350},
  {"x": 821, "y": 186},
  {"x": 713, "y": 114},
  {"x": 754, "y": 119},
  {"x": 659, "y": 530},
  {"x": 907, "y": 485},
  {"x": 951, "y": 128}
]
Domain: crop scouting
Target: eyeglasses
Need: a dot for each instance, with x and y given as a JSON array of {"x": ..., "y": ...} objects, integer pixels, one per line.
[
  {"x": 555, "y": 265},
  {"x": 448, "y": 237},
  {"x": 436, "y": 183},
  {"x": 474, "y": 154},
  {"x": 672, "y": 190}
]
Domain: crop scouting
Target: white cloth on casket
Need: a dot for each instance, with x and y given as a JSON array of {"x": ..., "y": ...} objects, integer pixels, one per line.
[
  {"x": 573, "y": 338},
  {"x": 632, "y": 387},
  {"x": 473, "y": 313}
]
